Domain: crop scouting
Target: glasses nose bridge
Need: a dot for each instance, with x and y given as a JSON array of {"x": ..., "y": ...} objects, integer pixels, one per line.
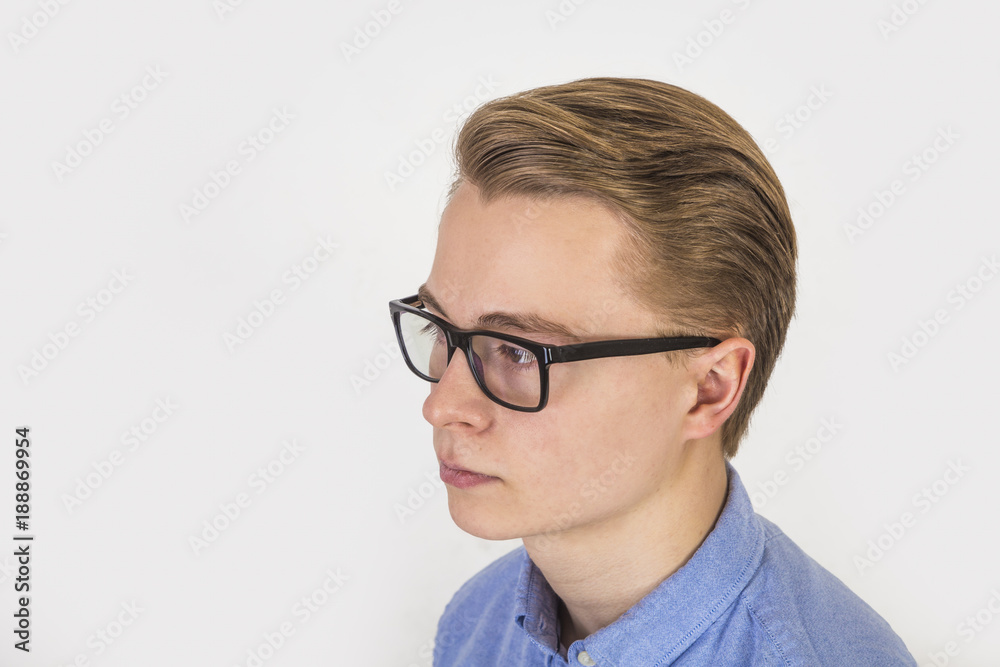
[{"x": 456, "y": 340}]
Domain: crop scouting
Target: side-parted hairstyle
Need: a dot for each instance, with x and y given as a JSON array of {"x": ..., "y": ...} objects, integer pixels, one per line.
[{"x": 711, "y": 243}]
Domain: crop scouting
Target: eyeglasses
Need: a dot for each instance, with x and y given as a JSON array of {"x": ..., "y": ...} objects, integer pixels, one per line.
[{"x": 511, "y": 371}]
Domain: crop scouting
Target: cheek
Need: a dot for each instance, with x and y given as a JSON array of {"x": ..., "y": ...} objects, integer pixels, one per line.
[
  {"x": 584, "y": 468},
  {"x": 623, "y": 399},
  {"x": 548, "y": 457},
  {"x": 605, "y": 433},
  {"x": 573, "y": 439}
]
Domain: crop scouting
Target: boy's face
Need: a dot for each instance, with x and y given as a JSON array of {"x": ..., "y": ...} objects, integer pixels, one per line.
[{"x": 610, "y": 438}]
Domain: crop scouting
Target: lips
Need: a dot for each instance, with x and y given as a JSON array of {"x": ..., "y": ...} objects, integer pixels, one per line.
[
  {"x": 454, "y": 466},
  {"x": 461, "y": 478}
]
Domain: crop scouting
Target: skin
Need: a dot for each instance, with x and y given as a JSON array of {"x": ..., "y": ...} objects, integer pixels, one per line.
[{"x": 617, "y": 481}]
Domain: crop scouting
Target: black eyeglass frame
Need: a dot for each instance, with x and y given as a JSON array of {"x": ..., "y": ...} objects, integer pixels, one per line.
[{"x": 546, "y": 355}]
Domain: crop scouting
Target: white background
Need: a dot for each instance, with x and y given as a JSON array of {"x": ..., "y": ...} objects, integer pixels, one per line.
[{"x": 319, "y": 370}]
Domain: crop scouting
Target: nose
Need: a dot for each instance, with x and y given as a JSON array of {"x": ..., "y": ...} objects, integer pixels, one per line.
[{"x": 456, "y": 401}]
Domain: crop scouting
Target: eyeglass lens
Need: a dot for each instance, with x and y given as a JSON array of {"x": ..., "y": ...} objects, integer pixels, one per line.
[{"x": 508, "y": 371}]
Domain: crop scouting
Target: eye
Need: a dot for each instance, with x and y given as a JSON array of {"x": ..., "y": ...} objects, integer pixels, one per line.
[{"x": 516, "y": 355}]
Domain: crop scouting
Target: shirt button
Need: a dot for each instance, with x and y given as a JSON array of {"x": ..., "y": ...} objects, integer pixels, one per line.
[{"x": 585, "y": 659}]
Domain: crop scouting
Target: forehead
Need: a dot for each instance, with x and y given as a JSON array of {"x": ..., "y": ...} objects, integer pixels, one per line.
[{"x": 554, "y": 258}]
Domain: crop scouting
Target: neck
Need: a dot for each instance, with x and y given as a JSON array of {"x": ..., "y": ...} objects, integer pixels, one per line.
[{"x": 601, "y": 570}]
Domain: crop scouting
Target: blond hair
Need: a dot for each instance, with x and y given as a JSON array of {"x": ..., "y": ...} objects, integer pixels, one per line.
[{"x": 711, "y": 246}]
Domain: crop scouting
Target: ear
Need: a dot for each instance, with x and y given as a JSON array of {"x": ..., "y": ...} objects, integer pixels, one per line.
[{"x": 721, "y": 374}]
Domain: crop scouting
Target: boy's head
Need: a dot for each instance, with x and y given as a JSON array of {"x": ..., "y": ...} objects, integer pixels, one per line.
[
  {"x": 709, "y": 242},
  {"x": 599, "y": 210}
]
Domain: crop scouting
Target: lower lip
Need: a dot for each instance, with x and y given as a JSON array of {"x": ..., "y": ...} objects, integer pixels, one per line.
[{"x": 463, "y": 479}]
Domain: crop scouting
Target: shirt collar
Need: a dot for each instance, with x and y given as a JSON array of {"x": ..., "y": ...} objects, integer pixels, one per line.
[{"x": 671, "y": 617}]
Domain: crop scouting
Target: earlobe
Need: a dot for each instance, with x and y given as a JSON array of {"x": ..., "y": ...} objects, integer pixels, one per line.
[{"x": 722, "y": 376}]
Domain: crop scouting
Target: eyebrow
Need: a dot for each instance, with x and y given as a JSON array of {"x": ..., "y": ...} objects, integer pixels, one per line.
[{"x": 528, "y": 323}]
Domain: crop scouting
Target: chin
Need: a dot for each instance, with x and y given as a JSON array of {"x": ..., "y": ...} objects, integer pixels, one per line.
[{"x": 479, "y": 517}]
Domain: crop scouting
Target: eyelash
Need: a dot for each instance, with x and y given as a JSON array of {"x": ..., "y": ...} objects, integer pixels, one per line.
[
  {"x": 515, "y": 355},
  {"x": 511, "y": 353}
]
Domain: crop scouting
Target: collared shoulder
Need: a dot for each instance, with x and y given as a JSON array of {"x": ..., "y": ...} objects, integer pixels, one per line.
[
  {"x": 809, "y": 616},
  {"x": 477, "y": 626}
]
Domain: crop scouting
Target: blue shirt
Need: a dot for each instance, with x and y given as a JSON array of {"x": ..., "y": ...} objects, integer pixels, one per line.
[{"x": 747, "y": 597}]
